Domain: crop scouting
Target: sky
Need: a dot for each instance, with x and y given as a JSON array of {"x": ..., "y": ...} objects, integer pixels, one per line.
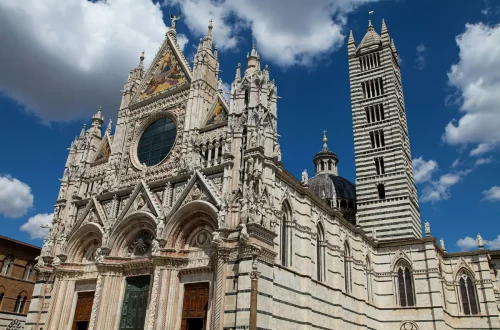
[{"x": 68, "y": 57}]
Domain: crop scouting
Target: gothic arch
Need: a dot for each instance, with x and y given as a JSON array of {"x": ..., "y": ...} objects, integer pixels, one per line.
[
  {"x": 398, "y": 258},
  {"x": 83, "y": 241},
  {"x": 125, "y": 232},
  {"x": 461, "y": 266},
  {"x": 190, "y": 219}
]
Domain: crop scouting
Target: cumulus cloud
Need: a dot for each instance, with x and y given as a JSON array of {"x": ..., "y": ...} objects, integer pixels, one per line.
[
  {"x": 420, "y": 56},
  {"x": 476, "y": 78},
  {"x": 492, "y": 194},
  {"x": 62, "y": 59},
  {"x": 286, "y": 32},
  {"x": 423, "y": 170},
  {"x": 468, "y": 243},
  {"x": 15, "y": 197},
  {"x": 440, "y": 189},
  {"x": 32, "y": 227}
]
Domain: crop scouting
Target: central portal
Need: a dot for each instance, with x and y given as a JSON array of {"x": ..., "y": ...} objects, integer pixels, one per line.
[{"x": 194, "y": 307}]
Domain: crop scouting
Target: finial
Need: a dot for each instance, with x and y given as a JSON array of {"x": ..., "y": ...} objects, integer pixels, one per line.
[
  {"x": 238, "y": 72},
  {"x": 108, "y": 128},
  {"x": 210, "y": 27},
  {"x": 141, "y": 58},
  {"x": 174, "y": 19},
  {"x": 82, "y": 132},
  {"x": 325, "y": 139},
  {"x": 427, "y": 229},
  {"x": 441, "y": 243},
  {"x": 219, "y": 85}
]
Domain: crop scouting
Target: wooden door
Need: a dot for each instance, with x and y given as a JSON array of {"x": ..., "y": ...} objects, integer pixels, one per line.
[
  {"x": 194, "y": 307},
  {"x": 83, "y": 310}
]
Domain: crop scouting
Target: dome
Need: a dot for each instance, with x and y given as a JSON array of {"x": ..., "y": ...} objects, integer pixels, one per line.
[{"x": 334, "y": 186}]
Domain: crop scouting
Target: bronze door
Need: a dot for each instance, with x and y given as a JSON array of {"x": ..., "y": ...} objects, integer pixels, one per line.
[
  {"x": 83, "y": 310},
  {"x": 135, "y": 303},
  {"x": 194, "y": 307}
]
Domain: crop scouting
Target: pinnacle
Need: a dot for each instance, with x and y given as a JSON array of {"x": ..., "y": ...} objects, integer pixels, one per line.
[{"x": 351, "y": 38}]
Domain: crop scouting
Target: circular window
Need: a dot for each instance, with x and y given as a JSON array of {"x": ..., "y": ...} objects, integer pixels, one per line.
[{"x": 156, "y": 141}]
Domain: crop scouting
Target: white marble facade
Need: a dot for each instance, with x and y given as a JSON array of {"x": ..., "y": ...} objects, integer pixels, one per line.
[{"x": 221, "y": 209}]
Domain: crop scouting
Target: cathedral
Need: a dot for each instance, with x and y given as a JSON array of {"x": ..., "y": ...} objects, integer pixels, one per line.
[{"x": 186, "y": 218}]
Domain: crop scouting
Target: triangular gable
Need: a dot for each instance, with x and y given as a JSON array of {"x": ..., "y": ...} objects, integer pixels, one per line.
[
  {"x": 206, "y": 186},
  {"x": 92, "y": 209},
  {"x": 104, "y": 149},
  {"x": 141, "y": 199},
  {"x": 218, "y": 112},
  {"x": 168, "y": 70}
]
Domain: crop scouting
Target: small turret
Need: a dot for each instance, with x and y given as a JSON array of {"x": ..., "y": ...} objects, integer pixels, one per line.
[
  {"x": 238, "y": 72},
  {"x": 351, "y": 45},
  {"x": 326, "y": 160},
  {"x": 97, "y": 121},
  {"x": 253, "y": 62},
  {"x": 384, "y": 34}
]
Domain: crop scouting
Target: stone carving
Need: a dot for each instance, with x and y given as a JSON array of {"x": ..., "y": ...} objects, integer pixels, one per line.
[
  {"x": 15, "y": 325},
  {"x": 480, "y": 243},
  {"x": 142, "y": 244},
  {"x": 441, "y": 243},
  {"x": 277, "y": 152},
  {"x": 427, "y": 228},
  {"x": 155, "y": 247},
  {"x": 305, "y": 177},
  {"x": 216, "y": 238},
  {"x": 244, "y": 237}
]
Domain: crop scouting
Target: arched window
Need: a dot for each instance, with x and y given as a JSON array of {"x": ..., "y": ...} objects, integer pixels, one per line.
[
  {"x": 28, "y": 270},
  {"x": 285, "y": 236},
  {"x": 347, "y": 268},
  {"x": 320, "y": 253},
  {"x": 405, "y": 285},
  {"x": 2, "y": 295},
  {"x": 247, "y": 98},
  {"x": 369, "y": 271},
  {"x": 7, "y": 264},
  {"x": 20, "y": 303},
  {"x": 468, "y": 294}
]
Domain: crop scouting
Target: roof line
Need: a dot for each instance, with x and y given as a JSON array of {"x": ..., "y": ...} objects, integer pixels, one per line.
[{"x": 20, "y": 242}]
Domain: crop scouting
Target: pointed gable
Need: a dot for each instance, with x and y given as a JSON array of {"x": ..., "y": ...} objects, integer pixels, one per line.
[
  {"x": 218, "y": 112},
  {"x": 169, "y": 70},
  {"x": 104, "y": 150}
]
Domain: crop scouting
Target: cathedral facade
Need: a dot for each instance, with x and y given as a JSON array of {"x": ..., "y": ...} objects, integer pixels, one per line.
[{"x": 186, "y": 217}]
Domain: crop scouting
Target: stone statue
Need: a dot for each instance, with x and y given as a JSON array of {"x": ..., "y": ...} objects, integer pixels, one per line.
[
  {"x": 374, "y": 234},
  {"x": 160, "y": 227},
  {"x": 155, "y": 247},
  {"x": 216, "y": 239},
  {"x": 98, "y": 256},
  {"x": 305, "y": 177},
  {"x": 427, "y": 228},
  {"x": 441, "y": 244},
  {"x": 253, "y": 139},
  {"x": 277, "y": 152},
  {"x": 480, "y": 243},
  {"x": 174, "y": 19},
  {"x": 244, "y": 237}
]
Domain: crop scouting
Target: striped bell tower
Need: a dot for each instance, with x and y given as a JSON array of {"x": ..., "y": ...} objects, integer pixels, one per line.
[{"x": 387, "y": 200}]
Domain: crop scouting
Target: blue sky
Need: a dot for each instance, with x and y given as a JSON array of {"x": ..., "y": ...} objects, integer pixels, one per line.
[{"x": 63, "y": 63}]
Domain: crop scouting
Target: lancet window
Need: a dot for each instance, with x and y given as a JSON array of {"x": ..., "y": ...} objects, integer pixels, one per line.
[
  {"x": 405, "y": 285},
  {"x": 379, "y": 165},
  {"x": 369, "y": 271},
  {"x": 374, "y": 113},
  {"x": 320, "y": 253},
  {"x": 347, "y": 268},
  {"x": 377, "y": 138},
  {"x": 468, "y": 294},
  {"x": 7, "y": 264}
]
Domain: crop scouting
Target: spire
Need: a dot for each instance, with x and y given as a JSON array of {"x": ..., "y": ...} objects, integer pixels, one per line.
[
  {"x": 98, "y": 115},
  {"x": 82, "y": 132},
  {"x": 351, "y": 45},
  {"x": 141, "y": 59},
  {"x": 371, "y": 37},
  {"x": 253, "y": 61},
  {"x": 238, "y": 72},
  {"x": 108, "y": 128},
  {"x": 208, "y": 37},
  {"x": 216, "y": 52},
  {"x": 219, "y": 85},
  {"x": 384, "y": 34}
]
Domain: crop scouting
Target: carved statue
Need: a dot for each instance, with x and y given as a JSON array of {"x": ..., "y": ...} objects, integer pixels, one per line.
[
  {"x": 441, "y": 243},
  {"x": 305, "y": 177},
  {"x": 98, "y": 256},
  {"x": 160, "y": 227},
  {"x": 155, "y": 247},
  {"x": 374, "y": 234},
  {"x": 47, "y": 247},
  {"x": 56, "y": 262},
  {"x": 216, "y": 239},
  {"x": 253, "y": 139},
  {"x": 427, "y": 228},
  {"x": 244, "y": 237},
  {"x": 277, "y": 152},
  {"x": 174, "y": 19},
  {"x": 39, "y": 263},
  {"x": 480, "y": 243}
]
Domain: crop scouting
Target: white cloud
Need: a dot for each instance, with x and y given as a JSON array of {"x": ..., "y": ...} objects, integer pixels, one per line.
[
  {"x": 476, "y": 78},
  {"x": 15, "y": 197},
  {"x": 468, "y": 243},
  {"x": 456, "y": 162},
  {"x": 420, "y": 56},
  {"x": 481, "y": 148},
  {"x": 67, "y": 57},
  {"x": 182, "y": 40},
  {"x": 226, "y": 89},
  {"x": 286, "y": 32},
  {"x": 492, "y": 194},
  {"x": 440, "y": 190},
  {"x": 482, "y": 161},
  {"x": 32, "y": 227},
  {"x": 423, "y": 170}
]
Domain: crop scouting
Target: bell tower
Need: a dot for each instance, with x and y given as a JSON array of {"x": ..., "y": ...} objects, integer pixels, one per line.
[{"x": 387, "y": 200}]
